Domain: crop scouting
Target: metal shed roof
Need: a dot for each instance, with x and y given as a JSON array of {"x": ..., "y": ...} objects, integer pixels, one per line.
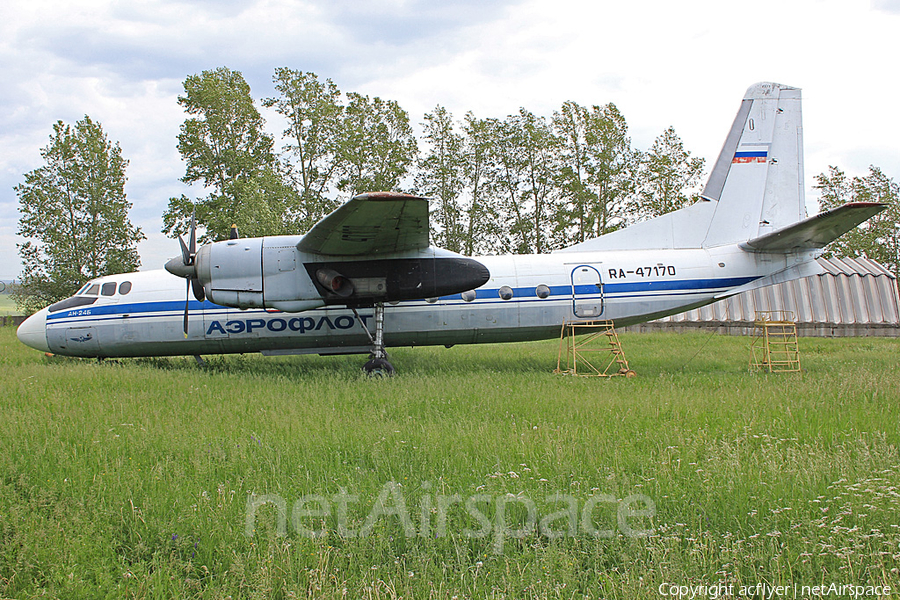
[
  {"x": 852, "y": 291},
  {"x": 853, "y": 266}
]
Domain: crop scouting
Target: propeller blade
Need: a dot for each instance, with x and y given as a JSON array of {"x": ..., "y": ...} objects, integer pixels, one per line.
[
  {"x": 187, "y": 299},
  {"x": 193, "y": 243},
  {"x": 185, "y": 253},
  {"x": 197, "y": 288}
]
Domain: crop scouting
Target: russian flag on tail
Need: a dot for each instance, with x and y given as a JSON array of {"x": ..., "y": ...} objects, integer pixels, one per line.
[{"x": 750, "y": 156}]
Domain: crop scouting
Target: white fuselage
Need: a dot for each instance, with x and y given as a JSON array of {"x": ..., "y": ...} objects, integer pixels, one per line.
[
  {"x": 528, "y": 297},
  {"x": 748, "y": 229}
]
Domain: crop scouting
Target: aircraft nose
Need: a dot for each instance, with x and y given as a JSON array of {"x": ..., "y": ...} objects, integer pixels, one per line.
[{"x": 33, "y": 331}]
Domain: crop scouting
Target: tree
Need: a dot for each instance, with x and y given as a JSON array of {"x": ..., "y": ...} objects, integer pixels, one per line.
[
  {"x": 483, "y": 230},
  {"x": 596, "y": 175},
  {"x": 539, "y": 147},
  {"x": 441, "y": 176},
  {"x": 524, "y": 156},
  {"x": 314, "y": 114},
  {"x": 75, "y": 210},
  {"x": 226, "y": 150},
  {"x": 377, "y": 145},
  {"x": 667, "y": 176},
  {"x": 877, "y": 238},
  {"x": 508, "y": 177},
  {"x": 571, "y": 123}
]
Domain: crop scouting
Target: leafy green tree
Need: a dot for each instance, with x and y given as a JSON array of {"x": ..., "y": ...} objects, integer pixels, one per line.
[
  {"x": 483, "y": 229},
  {"x": 612, "y": 168},
  {"x": 571, "y": 123},
  {"x": 524, "y": 155},
  {"x": 539, "y": 147},
  {"x": 440, "y": 175},
  {"x": 377, "y": 145},
  {"x": 597, "y": 165},
  {"x": 75, "y": 212},
  {"x": 314, "y": 114},
  {"x": 226, "y": 150},
  {"x": 877, "y": 238},
  {"x": 508, "y": 178},
  {"x": 667, "y": 176}
]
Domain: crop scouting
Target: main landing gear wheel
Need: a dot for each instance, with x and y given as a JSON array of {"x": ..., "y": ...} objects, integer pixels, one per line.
[{"x": 378, "y": 365}]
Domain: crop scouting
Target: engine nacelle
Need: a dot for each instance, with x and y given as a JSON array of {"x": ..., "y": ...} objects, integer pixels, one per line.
[
  {"x": 231, "y": 272},
  {"x": 257, "y": 273},
  {"x": 273, "y": 273},
  {"x": 394, "y": 279}
]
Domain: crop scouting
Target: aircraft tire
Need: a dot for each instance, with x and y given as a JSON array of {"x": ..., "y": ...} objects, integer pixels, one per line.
[{"x": 378, "y": 367}]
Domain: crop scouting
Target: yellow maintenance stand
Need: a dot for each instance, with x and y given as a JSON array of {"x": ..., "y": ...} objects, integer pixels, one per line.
[
  {"x": 774, "y": 346},
  {"x": 586, "y": 346}
]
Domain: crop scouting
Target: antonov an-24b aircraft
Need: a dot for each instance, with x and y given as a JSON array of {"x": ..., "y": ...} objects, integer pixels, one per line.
[{"x": 365, "y": 276}]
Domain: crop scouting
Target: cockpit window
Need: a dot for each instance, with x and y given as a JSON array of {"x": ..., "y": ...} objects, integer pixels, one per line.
[
  {"x": 81, "y": 291},
  {"x": 124, "y": 287},
  {"x": 73, "y": 302},
  {"x": 109, "y": 288},
  {"x": 93, "y": 290}
]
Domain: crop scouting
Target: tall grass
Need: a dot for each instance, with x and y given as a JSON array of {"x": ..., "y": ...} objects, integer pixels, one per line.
[{"x": 131, "y": 478}]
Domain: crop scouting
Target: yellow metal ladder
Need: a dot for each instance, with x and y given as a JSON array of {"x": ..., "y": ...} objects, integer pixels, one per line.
[
  {"x": 774, "y": 347},
  {"x": 586, "y": 346}
]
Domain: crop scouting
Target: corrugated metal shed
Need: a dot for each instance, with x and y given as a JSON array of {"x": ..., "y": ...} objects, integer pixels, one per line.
[{"x": 854, "y": 296}]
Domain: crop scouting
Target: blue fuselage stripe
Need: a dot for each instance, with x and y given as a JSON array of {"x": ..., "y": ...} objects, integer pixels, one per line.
[{"x": 612, "y": 290}]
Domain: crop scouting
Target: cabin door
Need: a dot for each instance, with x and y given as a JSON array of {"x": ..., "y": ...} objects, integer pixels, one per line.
[{"x": 587, "y": 292}]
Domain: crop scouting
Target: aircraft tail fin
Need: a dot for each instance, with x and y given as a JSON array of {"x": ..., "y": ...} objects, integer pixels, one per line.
[
  {"x": 755, "y": 188},
  {"x": 757, "y": 181}
]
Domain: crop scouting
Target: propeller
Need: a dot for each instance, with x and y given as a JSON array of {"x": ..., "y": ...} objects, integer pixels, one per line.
[{"x": 185, "y": 266}]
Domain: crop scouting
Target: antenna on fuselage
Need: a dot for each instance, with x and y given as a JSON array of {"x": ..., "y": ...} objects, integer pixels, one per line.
[{"x": 234, "y": 233}]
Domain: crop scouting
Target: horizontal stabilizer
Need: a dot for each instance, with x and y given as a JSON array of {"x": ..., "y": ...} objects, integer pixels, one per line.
[
  {"x": 817, "y": 231},
  {"x": 377, "y": 223}
]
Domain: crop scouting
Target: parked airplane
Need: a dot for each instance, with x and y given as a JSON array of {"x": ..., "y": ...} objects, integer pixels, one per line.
[{"x": 368, "y": 266}]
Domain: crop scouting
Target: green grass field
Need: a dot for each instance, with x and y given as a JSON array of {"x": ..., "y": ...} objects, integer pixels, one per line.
[
  {"x": 8, "y": 306},
  {"x": 133, "y": 478}
]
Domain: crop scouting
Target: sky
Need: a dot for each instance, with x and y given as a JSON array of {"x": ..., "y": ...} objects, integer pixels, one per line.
[{"x": 682, "y": 64}]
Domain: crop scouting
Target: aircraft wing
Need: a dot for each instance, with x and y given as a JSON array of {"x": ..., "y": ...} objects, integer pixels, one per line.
[
  {"x": 371, "y": 224},
  {"x": 817, "y": 231}
]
